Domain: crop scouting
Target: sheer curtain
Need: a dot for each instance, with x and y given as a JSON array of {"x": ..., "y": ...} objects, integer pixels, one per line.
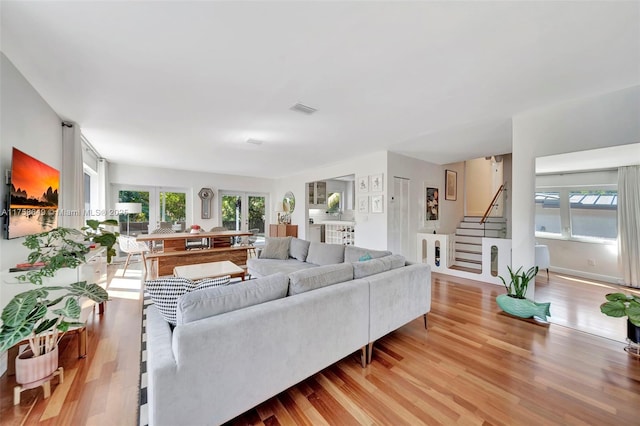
[
  {"x": 629, "y": 223},
  {"x": 72, "y": 178}
]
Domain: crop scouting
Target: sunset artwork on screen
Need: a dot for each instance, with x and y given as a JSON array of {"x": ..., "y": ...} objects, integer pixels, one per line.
[{"x": 34, "y": 196}]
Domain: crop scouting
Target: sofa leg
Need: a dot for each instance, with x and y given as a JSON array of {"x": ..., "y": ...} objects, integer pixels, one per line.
[
  {"x": 363, "y": 356},
  {"x": 369, "y": 352},
  {"x": 425, "y": 320}
]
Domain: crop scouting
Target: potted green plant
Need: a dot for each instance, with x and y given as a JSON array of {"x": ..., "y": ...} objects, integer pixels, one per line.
[
  {"x": 620, "y": 305},
  {"x": 43, "y": 314},
  {"x": 515, "y": 301},
  {"x": 95, "y": 231},
  {"x": 52, "y": 250}
]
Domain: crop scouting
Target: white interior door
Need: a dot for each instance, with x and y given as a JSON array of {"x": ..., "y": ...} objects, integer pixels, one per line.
[{"x": 399, "y": 217}]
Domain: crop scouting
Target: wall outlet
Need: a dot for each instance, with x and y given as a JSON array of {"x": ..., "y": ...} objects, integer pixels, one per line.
[{"x": 591, "y": 262}]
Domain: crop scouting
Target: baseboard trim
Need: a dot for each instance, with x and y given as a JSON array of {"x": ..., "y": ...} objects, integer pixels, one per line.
[{"x": 588, "y": 275}]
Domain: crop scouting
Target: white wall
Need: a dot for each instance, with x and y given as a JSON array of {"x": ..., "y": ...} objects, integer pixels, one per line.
[
  {"x": 600, "y": 121},
  {"x": 478, "y": 180},
  {"x": 122, "y": 174},
  {"x": 371, "y": 229},
  {"x": 28, "y": 123},
  {"x": 422, "y": 174}
]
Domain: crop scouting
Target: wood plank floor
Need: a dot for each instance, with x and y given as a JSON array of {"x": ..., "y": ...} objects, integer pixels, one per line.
[{"x": 472, "y": 366}]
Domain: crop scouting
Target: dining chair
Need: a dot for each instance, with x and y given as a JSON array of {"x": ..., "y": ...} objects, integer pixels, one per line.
[{"x": 132, "y": 247}]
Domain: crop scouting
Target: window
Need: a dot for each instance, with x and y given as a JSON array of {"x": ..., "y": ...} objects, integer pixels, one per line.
[
  {"x": 577, "y": 213},
  {"x": 333, "y": 205},
  {"x": 594, "y": 214},
  {"x": 548, "y": 213}
]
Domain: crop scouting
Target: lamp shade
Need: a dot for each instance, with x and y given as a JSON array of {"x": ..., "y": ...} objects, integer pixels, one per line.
[{"x": 129, "y": 208}]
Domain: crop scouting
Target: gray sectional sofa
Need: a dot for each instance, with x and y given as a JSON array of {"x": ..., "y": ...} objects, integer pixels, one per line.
[{"x": 230, "y": 351}]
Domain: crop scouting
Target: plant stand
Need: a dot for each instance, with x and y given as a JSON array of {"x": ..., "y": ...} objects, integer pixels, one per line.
[
  {"x": 45, "y": 383},
  {"x": 633, "y": 349}
]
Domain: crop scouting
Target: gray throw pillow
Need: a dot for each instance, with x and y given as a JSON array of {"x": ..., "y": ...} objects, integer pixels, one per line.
[
  {"x": 219, "y": 300},
  {"x": 299, "y": 249},
  {"x": 276, "y": 248},
  {"x": 325, "y": 254},
  {"x": 322, "y": 276}
]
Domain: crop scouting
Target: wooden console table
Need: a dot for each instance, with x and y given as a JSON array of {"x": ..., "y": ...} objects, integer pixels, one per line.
[{"x": 215, "y": 247}]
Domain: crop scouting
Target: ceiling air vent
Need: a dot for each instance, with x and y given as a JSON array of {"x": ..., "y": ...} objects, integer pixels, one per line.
[
  {"x": 254, "y": 141},
  {"x": 303, "y": 109}
]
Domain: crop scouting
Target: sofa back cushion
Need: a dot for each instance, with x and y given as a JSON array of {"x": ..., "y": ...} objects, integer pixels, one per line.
[
  {"x": 322, "y": 276},
  {"x": 325, "y": 254},
  {"x": 165, "y": 292},
  {"x": 299, "y": 249},
  {"x": 276, "y": 248},
  {"x": 353, "y": 254},
  {"x": 218, "y": 300},
  {"x": 376, "y": 266}
]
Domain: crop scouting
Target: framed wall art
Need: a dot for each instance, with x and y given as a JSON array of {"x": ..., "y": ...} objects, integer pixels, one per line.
[
  {"x": 431, "y": 203},
  {"x": 376, "y": 182},
  {"x": 363, "y": 204},
  {"x": 363, "y": 184},
  {"x": 451, "y": 185},
  {"x": 377, "y": 205}
]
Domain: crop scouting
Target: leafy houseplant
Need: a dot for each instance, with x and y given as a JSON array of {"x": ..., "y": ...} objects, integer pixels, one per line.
[
  {"x": 55, "y": 249},
  {"x": 620, "y": 305},
  {"x": 519, "y": 283},
  {"x": 515, "y": 302},
  {"x": 98, "y": 234},
  {"x": 31, "y": 315},
  {"x": 36, "y": 315}
]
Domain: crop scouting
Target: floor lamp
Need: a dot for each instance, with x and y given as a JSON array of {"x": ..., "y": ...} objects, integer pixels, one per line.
[{"x": 129, "y": 209}]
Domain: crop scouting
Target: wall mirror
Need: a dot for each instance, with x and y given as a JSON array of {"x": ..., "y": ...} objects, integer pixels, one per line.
[{"x": 289, "y": 202}]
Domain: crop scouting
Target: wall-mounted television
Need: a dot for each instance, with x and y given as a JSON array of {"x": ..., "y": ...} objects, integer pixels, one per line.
[{"x": 33, "y": 196}]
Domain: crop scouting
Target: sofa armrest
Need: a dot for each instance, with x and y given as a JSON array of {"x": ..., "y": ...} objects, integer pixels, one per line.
[
  {"x": 161, "y": 366},
  {"x": 397, "y": 297}
]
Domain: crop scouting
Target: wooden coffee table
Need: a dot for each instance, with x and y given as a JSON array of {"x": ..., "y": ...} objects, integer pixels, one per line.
[{"x": 209, "y": 270}]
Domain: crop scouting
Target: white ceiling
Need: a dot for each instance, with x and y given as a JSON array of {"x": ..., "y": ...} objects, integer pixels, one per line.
[{"x": 184, "y": 84}]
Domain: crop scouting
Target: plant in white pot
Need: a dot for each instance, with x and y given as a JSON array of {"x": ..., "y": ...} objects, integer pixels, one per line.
[
  {"x": 41, "y": 315},
  {"x": 515, "y": 302},
  {"x": 619, "y": 305}
]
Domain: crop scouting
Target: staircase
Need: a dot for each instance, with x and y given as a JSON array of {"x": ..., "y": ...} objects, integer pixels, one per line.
[{"x": 468, "y": 247}]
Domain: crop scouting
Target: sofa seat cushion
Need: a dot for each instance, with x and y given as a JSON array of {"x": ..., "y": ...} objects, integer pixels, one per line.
[
  {"x": 376, "y": 266},
  {"x": 321, "y": 276},
  {"x": 264, "y": 267},
  {"x": 325, "y": 254},
  {"x": 213, "y": 301},
  {"x": 353, "y": 253},
  {"x": 165, "y": 292}
]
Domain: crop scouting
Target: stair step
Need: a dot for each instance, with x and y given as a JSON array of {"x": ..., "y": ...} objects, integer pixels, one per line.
[
  {"x": 469, "y": 256},
  {"x": 475, "y": 248},
  {"x": 489, "y": 219},
  {"x": 486, "y": 225},
  {"x": 465, "y": 269},
  {"x": 472, "y": 262},
  {"x": 470, "y": 232},
  {"x": 466, "y": 239}
]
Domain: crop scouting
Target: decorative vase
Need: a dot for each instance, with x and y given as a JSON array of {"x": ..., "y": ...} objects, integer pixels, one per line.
[
  {"x": 32, "y": 372},
  {"x": 523, "y": 308},
  {"x": 195, "y": 231}
]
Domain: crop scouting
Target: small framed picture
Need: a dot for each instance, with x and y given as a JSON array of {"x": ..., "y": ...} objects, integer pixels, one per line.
[
  {"x": 377, "y": 205},
  {"x": 376, "y": 182},
  {"x": 451, "y": 185},
  {"x": 431, "y": 201},
  {"x": 363, "y": 184},
  {"x": 363, "y": 204}
]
